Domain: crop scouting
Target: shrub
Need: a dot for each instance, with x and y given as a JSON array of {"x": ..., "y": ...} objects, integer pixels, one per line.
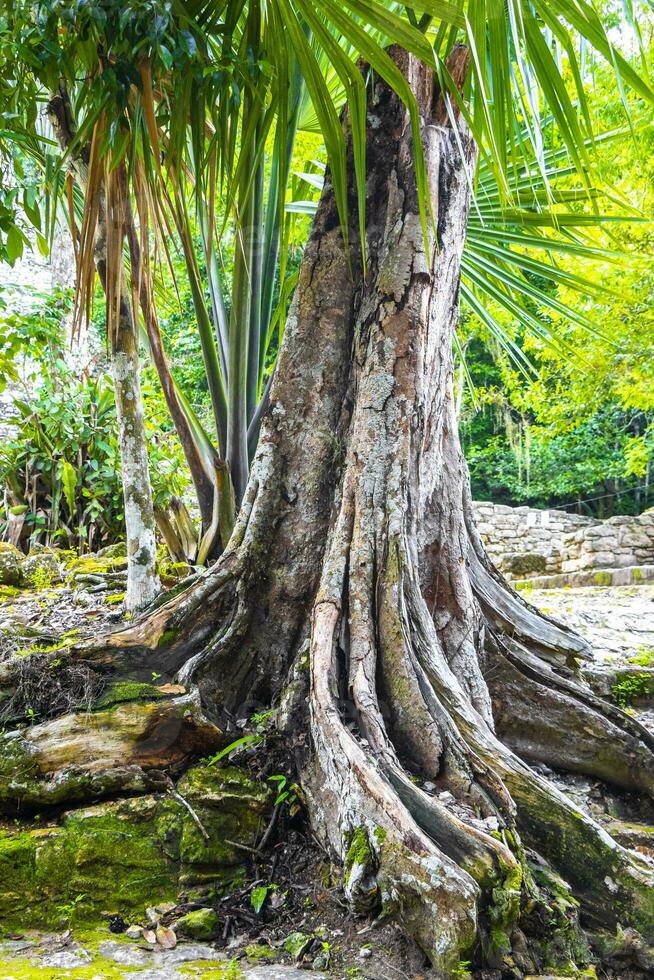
[{"x": 61, "y": 465}]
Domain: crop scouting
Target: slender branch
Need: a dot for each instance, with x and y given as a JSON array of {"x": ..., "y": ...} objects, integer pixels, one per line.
[{"x": 180, "y": 799}]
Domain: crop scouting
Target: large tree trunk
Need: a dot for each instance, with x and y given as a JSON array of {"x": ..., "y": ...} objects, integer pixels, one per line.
[{"x": 355, "y": 596}]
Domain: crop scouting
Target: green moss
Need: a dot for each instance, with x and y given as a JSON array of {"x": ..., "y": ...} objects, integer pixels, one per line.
[
  {"x": 563, "y": 943},
  {"x": 229, "y": 784},
  {"x": 500, "y": 940},
  {"x": 65, "y": 643},
  {"x": 110, "y": 853},
  {"x": 26, "y": 964},
  {"x": 380, "y": 835},
  {"x": 504, "y": 911},
  {"x": 17, "y": 866},
  {"x": 94, "y": 564},
  {"x": 602, "y": 578},
  {"x": 128, "y": 854},
  {"x": 115, "y": 598},
  {"x": 124, "y": 691},
  {"x": 8, "y": 592},
  {"x": 200, "y": 924},
  {"x": 257, "y": 952},
  {"x": 359, "y": 851},
  {"x": 230, "y": 970},
  {"x": 27, "y": 969}
]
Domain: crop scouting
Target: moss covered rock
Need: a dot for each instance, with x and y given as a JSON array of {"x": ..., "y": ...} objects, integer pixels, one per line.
[
  {"x": 41, "y": 569},
  {"x": 83, "y": 755},
  {"x": 11, "y": 560},
  {"x": 123, "y": 856},
  {"x": 201, "y": 924},
  {"x": 121, "y": 692},
  {"x": 525, "y": 564}
]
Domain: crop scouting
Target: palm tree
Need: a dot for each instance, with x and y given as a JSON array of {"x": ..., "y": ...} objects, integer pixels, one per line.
[{"x": 414, "y": 690}]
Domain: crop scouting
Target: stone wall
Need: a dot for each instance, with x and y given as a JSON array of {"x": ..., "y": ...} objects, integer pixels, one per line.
[{"x": 526, "y": 543}]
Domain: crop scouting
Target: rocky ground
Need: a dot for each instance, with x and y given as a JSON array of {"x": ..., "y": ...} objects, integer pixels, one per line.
[
  {"x": 100, "y": 955},
  {"x": 618, "y": 621},
  {"x": 54, "y": 596},
  {"x": 287, "y": 915}
]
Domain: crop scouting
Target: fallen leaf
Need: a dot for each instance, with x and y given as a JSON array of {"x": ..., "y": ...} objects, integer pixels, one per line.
[
  {"x": 166, "y": 937},
  {"x": 171, "y": 689}
]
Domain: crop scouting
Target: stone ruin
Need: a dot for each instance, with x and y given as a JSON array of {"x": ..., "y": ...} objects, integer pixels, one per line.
[{"x": 553, "y": 548}]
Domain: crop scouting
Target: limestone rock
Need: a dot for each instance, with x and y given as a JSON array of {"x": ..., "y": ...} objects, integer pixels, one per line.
[
  {"x": 67, "y": 959},
  {"x": 124, "y": 955},
  {"x": 130, "y": 854},
  {"x": 41, "y": 569},
  {"x": 11, "y": 560}
]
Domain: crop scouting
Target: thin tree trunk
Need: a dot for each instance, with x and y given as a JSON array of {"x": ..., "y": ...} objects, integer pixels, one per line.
[
  {"x": 413, "y": 687},
  {"x": 142, "y": 580},
  {"x": 200, "y": 473}
]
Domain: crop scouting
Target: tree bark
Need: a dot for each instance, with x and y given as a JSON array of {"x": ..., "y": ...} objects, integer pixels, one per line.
[
  {"x": 142, "y": 580},
  {"x": 413, "y": 686}
]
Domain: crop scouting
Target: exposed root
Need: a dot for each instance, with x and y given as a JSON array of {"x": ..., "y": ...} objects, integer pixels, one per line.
[
  {"x": 351, "y": 797},
  {"x": 547, "y": 718},
  {"x": 520, "y": 621}
]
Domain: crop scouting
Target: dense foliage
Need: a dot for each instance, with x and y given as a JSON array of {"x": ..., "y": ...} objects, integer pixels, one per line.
[
  {"x": 207, "y": 126},
  {"x": 59, "y": 460},
  {"x": 574, "y": 419}
]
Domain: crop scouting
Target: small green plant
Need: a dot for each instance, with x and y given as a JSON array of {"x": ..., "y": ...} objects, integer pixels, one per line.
[
  {"x": 286, "y": 792},
  {"x": 631, "y": 687},
  {"x": 240, "y": 743},
  {"x": 259, "y": 895},
  {"x": 233, "y": 971},
  {"x": 462, "y": 971},
  {"x": 69, "y": 910},
  {"x": 260, "y": 719}
]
